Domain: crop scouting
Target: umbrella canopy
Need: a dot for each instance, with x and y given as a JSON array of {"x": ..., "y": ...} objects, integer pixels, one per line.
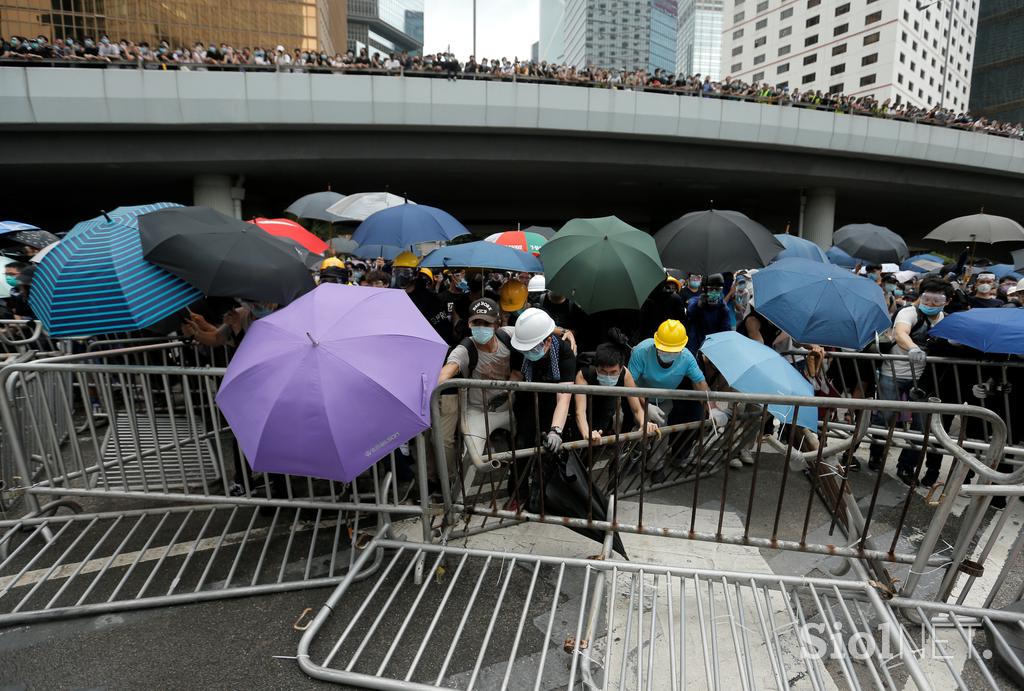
[
  {"x": 602, "y": 264},
  {"x": 481, "y": 255},
  {"x": 868, "y": 241},
  {"x": 362, "y": 205},
  {"x": 333, "y": 383},
  {"x": 96, "y": 280},
  {"x": 984, "y": 228},
  {"x": 714, "y": 241},
  {"x": 522, "y": 240},
  {"x": 799, "y": 247},
  {"x": 38, "y": 256},
  {"x": 840, "y": 258},
  {"x": 751, "y": 367},
  {"x": 223, "y": 256},
  {"x": 1018, "y": 259},
  {"x": 13, "y": 226},
  {"x": 1001, "y": 271},
  {"x": 543, "y": 231},
  {"x": 407, "y": 225},
  {"x": 315, "y": 206},
  {"x": 372, "y": 251},
  {"x": 987, "y": 330},
  {"x": 344, "y": 245},
  {"x": 24, "y": 234},
  {"x": 923, "y": 263},
  {"x": 821, "y": 304},
  {"x": 283, "y": 228}
]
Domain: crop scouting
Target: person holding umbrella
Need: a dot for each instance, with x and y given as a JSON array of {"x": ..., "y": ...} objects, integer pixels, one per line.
[
  {"x": 910, "y": 333},
  {"x": 707, "y": 314}
]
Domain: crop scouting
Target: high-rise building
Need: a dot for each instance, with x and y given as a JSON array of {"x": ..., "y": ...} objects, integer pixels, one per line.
[
  {"x": 551, "y": 39},
  {"x": 630, "y": 35},
  {"x": 889, "y": 49},
  {"x": 386, "y": 25},
  {"x": 306, "y": 24},
  {"x": 997, "y": 85},
  {"x": 699, "y": 38}
]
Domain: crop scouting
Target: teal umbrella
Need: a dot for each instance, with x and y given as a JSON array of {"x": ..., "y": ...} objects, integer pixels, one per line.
[{"x": 602, "y": 264}]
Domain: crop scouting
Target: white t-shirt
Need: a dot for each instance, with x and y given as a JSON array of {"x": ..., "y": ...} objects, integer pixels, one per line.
[
  {"x": 908, "y": 316},
  {"x": 491, "y": 366}
]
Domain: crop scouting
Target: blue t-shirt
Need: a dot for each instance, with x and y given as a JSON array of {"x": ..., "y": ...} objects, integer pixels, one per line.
[{"x": 648, "y": 372}]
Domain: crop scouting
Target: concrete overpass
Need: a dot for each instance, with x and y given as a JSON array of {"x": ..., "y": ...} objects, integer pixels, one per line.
[{"x": 492, "y": 153}]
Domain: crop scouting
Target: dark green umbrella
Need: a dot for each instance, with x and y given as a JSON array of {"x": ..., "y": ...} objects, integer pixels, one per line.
[{"x": 602, "y": 264}]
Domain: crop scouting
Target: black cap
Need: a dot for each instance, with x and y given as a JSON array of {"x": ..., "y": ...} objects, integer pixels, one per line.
[{"x": 486, "y": 308}]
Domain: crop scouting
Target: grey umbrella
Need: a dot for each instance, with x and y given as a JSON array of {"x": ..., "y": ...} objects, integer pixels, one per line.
[
  {"x": 984, "y": 228},
  {"x": 540, "y": 230},
  {"x": 714, "y": 241},
  {"x": 871, "y": 242},
  {"x": 315, "y": 206},
  {"x": 344, "y": 245}
]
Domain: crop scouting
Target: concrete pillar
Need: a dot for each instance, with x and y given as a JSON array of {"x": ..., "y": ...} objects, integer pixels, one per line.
[
  {"x": 819, "y": 217},
  {"x": 217, "y": 192}
]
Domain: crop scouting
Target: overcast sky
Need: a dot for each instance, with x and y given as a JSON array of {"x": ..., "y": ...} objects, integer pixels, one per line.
[{"x": 504, "y": 28}]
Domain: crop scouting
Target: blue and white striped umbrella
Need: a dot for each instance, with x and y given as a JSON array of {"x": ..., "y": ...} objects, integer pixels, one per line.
[{"x": 96, "y": 281}]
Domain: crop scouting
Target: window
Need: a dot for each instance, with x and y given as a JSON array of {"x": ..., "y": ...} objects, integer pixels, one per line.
[
  {"x": 813, "y": 21},
  {"x": 838, "y": 69},
  {"x": 867, "y": 80},
  {"x": 813, "y": 3},
  {"x": 760, "y": 41},
  {"x": 738, "y": 17},
  {"x": 810, "y": 40},
  {"x": 782, "y": 85},
  {"x": 758, "y": 77},
  {"x": 785, "y": 31},
  {"x": 807, "y": 78},
  {"x": 899, "y": 78},
  {"x": 737, "y": 34},
  {"x": 839, "y": 50},
  {"x": 761, "y": 23},
  {"x": 869, "y": 59},
  {"x": 836, "y": 88},
  {"x": 903, "y": 58},
  {"x": 786, "y": 13},
  {"x": 762, "y": 6},
  {"x": 873, "y": 17},
  {"x": 810, "y": 59},
  {"x": 737, "y": 66},
  {"x": 737, "y": 50},
  {"x": 784, "y": 50},
  {"x": 840, "y": 30},
  {"x": 783, "y": 68},
  {"x": 903, "y": 37},
  {"x": 872, "y": 38},
  {"x": 843, "y": 9},
  {"x": 758, "y": 59}
]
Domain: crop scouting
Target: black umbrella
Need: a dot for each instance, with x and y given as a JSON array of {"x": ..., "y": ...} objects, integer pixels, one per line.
[
  {"x": 871, "y": 242},
  {"x": 37, "y": 239},
  {"x": 540, "y": 230},
  {"x": 315, "y": 206},
  {"x": 714, "y": 241},
  {"x": 223, "y": 256}
]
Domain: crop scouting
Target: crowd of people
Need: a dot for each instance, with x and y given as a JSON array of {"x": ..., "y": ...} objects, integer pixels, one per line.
[{"x": 214, "y": 56}]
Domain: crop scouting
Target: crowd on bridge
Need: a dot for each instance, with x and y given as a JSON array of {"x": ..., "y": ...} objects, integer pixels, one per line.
[{"x": 221, "y": 56}]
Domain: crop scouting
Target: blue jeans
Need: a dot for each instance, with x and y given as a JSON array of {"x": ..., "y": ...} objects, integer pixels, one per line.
[{"x": 890, "y": 389}]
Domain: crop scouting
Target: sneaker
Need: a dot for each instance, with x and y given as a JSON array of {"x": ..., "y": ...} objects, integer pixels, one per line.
[
  {"x": 930, "y": 478},
  {"x": 735, "y": 463},
  {"x": 998, "y": 503},
  {"x": 875, "y": 464},
  {"x": 907, "y": 476}
]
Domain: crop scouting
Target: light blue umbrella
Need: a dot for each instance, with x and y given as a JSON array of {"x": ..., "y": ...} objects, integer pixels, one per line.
[
  {"x": 923, "y": 263},
  {"x": 408, "y": 224},
  {"x": 482, "y": 255},
  {"x": 820, "y": 303},
  {"x": 14, "y": 226},
  {"x": 751, "y": 367},
  {"x": 799, "y": 247},
  {"x": 1001, "y": 271},
  {"x": 840, "y": 258},
  {"x": 96, "y": 280}
]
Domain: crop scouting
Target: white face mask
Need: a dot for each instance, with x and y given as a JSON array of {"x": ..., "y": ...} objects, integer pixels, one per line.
[{"x": 984, "y": 288}]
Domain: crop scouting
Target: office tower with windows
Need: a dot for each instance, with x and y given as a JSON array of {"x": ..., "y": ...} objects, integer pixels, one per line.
[
  {"x": 997, "y": 85},
  {"x": 629, "y": 35},
  {"x": 699, "y": 38}
]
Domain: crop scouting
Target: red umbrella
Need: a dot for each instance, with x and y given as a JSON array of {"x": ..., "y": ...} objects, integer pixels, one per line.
[{"x": 283, "y": 228}]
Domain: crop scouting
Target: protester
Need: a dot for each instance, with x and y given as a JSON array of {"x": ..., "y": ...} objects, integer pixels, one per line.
[
  {"x": 604, "y": 417},
  {"x": 984, "y": 294},
  {"x": 707, "y": 314}
]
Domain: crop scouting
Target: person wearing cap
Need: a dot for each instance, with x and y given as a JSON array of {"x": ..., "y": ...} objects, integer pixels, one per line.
[
  {"x": 486, "y": 354},
  {"x": 1015, "y": 295},
  {"x": 536, "y": 290},
  {"x": 692, "y": 288},
  {"x": 984, "y": 294},
  {"x": 512, "y": 297}
]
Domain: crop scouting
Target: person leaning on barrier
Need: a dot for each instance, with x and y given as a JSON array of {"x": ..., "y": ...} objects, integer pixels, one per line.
[
  {"x": 897, "y": 378},
  {"x": 664, "y": 362}
]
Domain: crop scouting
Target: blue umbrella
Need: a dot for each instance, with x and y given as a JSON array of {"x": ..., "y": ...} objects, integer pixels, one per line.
[
  {"x": 96, "y": 281},
  {"x": 374, "y": 251},
  {"x": 482, "y": 255},
  {"x": 799, "y": 247},
  {"x": 408, "y": 224},
  {"x": 751, "y": 367},
  {"x": 14, "y": 226},
  {"x": 923, "y": 263},
  {"x": 821, "y": 303},
  {"x": 987, "y": 330},
  {"x": 1000, "y": 270},
  {"x": 841, "y": 258}
]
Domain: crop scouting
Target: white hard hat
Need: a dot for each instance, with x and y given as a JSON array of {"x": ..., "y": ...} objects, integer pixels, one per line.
[
  {"x": 536, "y": 284},
  {"x": 1019, "y": 288},
  {"x": 532, "y": 327}
]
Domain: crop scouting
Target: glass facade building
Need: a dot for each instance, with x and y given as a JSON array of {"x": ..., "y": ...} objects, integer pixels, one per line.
[
  {"x": 629, "y": 35},
  {"x": 386, "y": 25},
  {"x": 997, "y": 85},
  {"x": 306, "y": 24},
  {"x": 699, "y": 38}
]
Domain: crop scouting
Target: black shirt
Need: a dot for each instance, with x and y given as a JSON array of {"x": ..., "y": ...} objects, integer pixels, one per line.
[
  {"x": 433, "y": 311},
  {"x": 976, "y": 301},
  {"x": 565, "y": 314}
]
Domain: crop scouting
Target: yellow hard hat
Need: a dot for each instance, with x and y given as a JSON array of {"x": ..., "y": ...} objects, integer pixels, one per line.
[
  {"x": 512, "y": 296},
  {"x": 674, "y": 281},
  {"x": 406, "y": 259},
  {"x": 428, "y": 273},
  {"x": 671, "y": 336},
  {"x": 332, "y": 261}
]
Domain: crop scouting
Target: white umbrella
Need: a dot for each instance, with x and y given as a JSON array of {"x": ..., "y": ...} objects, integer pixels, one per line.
[
  {"x": 359, "y": 206},
  {"x": 38, "y": 256}
]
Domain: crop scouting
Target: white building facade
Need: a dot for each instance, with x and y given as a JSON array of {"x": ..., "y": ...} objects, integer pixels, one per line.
[
  {"x": 699, "y": 38},
  {"x": 888, "y": 49},
  {"x": 625, "y": 35}
]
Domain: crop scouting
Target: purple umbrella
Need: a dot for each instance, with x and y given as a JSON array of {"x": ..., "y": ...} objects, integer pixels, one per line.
[{"x": 332, "y": 383}]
